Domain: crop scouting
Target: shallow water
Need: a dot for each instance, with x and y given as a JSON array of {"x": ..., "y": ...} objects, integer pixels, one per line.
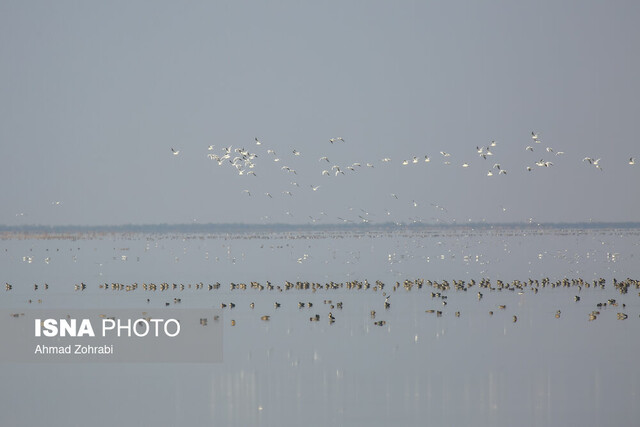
[{"x": 471, "y": 369}]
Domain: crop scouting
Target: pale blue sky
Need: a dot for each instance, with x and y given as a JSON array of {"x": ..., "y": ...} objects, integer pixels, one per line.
[{"x": 93, "y": 96}]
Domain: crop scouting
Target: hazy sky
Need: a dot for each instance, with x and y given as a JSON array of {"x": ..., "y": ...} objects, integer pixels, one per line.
[{"x": 93, "y": 96}]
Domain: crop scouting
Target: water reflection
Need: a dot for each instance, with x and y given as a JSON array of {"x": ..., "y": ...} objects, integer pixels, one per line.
[{"x": 461, "y": 367}]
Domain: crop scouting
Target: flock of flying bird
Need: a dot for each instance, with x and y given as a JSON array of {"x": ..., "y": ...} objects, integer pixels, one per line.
[{"x": 243, "y": 161}]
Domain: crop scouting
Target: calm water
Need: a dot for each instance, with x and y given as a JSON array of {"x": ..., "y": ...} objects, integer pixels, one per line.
[{"x": 416, "y": 369}]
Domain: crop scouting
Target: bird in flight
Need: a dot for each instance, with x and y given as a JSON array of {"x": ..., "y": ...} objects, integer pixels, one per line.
[
  {"x": 175, "y": 152},
  {"x": 595, "y": 163},
  {"x": 632, "y": 161},
  {"x": 535, "y": 137}
]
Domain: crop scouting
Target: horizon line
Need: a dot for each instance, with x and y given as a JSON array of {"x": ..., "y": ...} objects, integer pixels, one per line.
[{"x": 221, "y": 227}]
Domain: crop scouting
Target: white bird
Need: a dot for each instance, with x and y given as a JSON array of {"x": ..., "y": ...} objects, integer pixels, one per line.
[
  {"x": 296, "y": 152},
  {"x": 211, "y": 147},
  {"x": 588, "y": 159},
  {"x": 415, "y": 159},
  {"x": 394, "y": 195},
  {"x": 482, "y": 153},
  {"x": 427, "y": 159},
  {"x": 287, "y": 192},
  {"x": 465, "y": 165},
  {"x": 529, "y": 168},
  {"x": 325, "y": 172},
  {"x": 386, "y": 159},
  {"x": 246, "y": 191},
  {"x": 502, "y": 171},
  {"x": 535, "y": 137},
  {"x": 323, "y": 158},
  {"x": 370, "y": 165},
  {"x": 445, "y": 154},
  {"x": 315, "y": 188},
  {"x": 332, "y": 140},
  {"x": 489, "y": 173},
  {"x": 595, "y": 163},
  {"x": 175, "y": 152},
  {"x": 405, "y": 162},
  {"x": 549, "y": 150},
  {"x": 269, "y": 195},
  {"x": 340, "y": 139},
  {"x": 441, "y": 208},
  {"x": 529, "y": 148},
  {"x": 632, "y": 161},
  {"x": 493, "y": 144}
]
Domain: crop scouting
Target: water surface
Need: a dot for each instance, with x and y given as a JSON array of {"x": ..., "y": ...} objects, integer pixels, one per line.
[{"x": 470, "y": 368}]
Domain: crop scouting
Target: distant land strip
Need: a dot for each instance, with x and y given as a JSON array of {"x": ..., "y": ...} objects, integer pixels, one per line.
[{"x": 214, "y": 228}]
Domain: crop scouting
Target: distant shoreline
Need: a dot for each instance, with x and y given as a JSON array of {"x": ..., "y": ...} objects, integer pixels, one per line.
[{"x": 212, "y": 228}]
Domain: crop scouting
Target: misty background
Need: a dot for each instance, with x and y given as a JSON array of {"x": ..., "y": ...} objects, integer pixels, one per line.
[{"x": 94, "y": 97}]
